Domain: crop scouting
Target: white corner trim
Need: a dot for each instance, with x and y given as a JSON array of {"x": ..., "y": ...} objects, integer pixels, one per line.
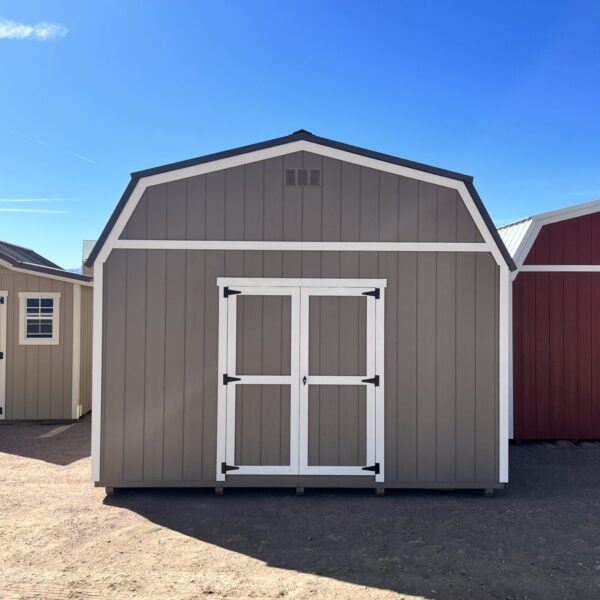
[
  {"x": 503, "y": 371},
  {"x": 560, "y": 268},
  {"x": 3, "y": 307},
  {"x": 55, "y": 339},
  {"x": 76, "y": 349},
  {"x": 302, "y": 246},
  {"x": 97, "y": 370}
]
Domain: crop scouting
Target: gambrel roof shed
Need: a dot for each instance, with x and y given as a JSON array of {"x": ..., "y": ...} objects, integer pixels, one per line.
[
  {"x": 300, "y": 312},
  {"x": 556, "y": 311},
  {"x": 303, "y": 140}
]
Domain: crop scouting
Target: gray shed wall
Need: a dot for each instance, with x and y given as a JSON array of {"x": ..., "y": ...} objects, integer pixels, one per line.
[
  {"x": 85, "y": 365},
  {"x": 252, "y": 202},
  {"x": 38, "y": 378},
  {"x": 160, "y": 377}
]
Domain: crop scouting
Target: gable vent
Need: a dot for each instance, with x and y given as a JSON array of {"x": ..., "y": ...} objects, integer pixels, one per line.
[{"x": 303, "y": 177}]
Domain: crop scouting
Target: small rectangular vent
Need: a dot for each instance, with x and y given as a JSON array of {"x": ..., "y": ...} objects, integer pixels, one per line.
[
  {"x": 290, "y": 177},
  {"x": 303, "y": 177}
]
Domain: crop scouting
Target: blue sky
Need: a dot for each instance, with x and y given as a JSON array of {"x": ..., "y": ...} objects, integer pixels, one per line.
[{"x": 506, "y": 91}]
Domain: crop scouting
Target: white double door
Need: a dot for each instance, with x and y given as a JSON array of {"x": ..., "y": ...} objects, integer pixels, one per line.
[{"x": 300, "y": 377}]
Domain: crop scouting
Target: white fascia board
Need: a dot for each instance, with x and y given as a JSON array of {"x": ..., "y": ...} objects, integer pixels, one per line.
[
  {"x": 34, "y": 273},
  {"x": 297, "y": 146},
  {"x": 560, "y": 268}
]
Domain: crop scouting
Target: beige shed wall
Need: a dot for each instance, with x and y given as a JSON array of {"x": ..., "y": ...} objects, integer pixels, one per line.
[
  {"x": 159, "y": 381},
  {"x": 85, "y": 365},
  {"x": 38, "y": 378},
  {"x": 251, "y": 202}
]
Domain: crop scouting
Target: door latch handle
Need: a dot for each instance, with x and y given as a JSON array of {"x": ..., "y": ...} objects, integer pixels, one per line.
[{"x": 304, "y": 380}]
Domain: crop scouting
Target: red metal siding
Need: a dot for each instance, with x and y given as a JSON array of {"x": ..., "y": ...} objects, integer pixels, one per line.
[{"x": 556, "y": 336}]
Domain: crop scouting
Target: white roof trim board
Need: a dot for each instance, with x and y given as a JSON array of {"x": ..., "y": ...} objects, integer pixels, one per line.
[{"x": 519, "y": 237}]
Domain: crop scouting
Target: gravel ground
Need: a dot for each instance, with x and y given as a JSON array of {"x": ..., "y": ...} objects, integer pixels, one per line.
[{"x": 61, "y": 538}]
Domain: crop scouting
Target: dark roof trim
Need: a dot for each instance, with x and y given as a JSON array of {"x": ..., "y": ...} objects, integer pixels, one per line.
[
  {"x": 294, "y": 137},
  {"x": 52, "y": 271}
]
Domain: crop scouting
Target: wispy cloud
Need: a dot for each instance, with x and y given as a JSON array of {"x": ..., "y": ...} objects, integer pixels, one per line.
[
  {"x": 32, "y": 199},
  {"x": 41, "y": 32},
  {"x": 82, "y": 157},
  {"x": 45, "y": 211}
]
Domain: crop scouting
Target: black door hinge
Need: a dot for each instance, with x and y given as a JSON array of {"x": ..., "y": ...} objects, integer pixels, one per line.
[
  {"x": 1, "y": 355},
  {"x": 373, "y": 380},
  {"x": 375, "y": 293},
  {"x": 229, "y": 292},
  {"x": 1, "y": 299},
  {"x": 374, "y": 468},
  {"x": 1, "y": 410},
  {"x": 227, "y": 379},
  {"x": 225, "y": 467}
]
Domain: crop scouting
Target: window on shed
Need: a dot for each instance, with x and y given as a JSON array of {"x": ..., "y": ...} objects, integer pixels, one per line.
[{"x": 38, "y": 319}]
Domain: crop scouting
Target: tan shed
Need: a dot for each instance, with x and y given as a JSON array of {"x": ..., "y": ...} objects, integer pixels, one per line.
[
  {"x": 45, "y": 338},
  {"x": 301, "y": 313}
]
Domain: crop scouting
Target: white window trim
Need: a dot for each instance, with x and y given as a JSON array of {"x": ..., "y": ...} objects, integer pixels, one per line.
[{"x": 55, "y": 339}]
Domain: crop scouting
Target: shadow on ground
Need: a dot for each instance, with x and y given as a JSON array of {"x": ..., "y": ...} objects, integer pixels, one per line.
[
  {"x": 56, "y": 443},
  {"x": 536, "y": 539}
]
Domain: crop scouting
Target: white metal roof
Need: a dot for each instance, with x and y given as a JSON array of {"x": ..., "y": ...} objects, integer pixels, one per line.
[{"x": 518, "y": 237}]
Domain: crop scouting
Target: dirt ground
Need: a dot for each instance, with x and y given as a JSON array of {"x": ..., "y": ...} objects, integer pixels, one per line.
[{"x": 61, "y": 538}]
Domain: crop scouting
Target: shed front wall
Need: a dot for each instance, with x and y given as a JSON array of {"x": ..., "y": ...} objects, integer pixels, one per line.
[
  {"x": 38, "y": 378},
  {"x": 159, "y": 380}
]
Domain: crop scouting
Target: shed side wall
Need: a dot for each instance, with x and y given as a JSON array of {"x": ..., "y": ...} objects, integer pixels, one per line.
[
  {"x": 159, "y": 389},
  {"x": 38, "y": 378},
  {"x": 252, "y": 202},
  {"x": 85, "y": 365}
]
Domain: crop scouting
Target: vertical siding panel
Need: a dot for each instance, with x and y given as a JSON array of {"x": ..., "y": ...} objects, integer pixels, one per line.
[
  {"x": 331, "y": 182},
  {"x": 137, "y": 226},
  {"x": 485, "y": 436},
  {"x": 194, "y": 364},
  {"x": 215, "y": 206},
  {"x": 556, "y": 244},
  {"x": 292, "y": 216},
  {"x": 177, "y": 209},
  {"x": 215, "y": 267},
  {"x": 427, "y": 212},
  {"x": 407, "y": 334},
  {"x": 408, "y": 209},
  {"x": 570, "y": 415},
  {"x": 584, "y": 353},
  {"x": 174, "y": 365},
  {"x": 595, "y": 401},
  {"x": 135, "y": 372},
  {"x": 446, "y": 214},
  {"x": 529, "y": 422},
  {"x": 426, "y": 354},
  {"x": 446, "y": 366},
  {"x": 16, "y": 392},
  {"x": 542, "y": 349},
  {"x": 369, "y": 205},
  {"x": 595, "y": 250},
  {"x": 312, "y": 201},
  {"x": 66, "y": 346},
  {"x": 157, "y": 212},
  {"x": 156, "y": 282},
  {"x": 273, "y": 224},
  {"x": 466, "y": 230},
  {"x": 388, "y": 269},
  {"x": 196, "y": 208},
  {"x": 556, "y": 345},
  {"x": 517, "y": 356},
  {"x": 350, "y": 224},
  {"x": 254, "y": 199},
  {"x": 113, "y": 384},
  {"x": 465, "y": 367},
  {"x": 570, "y": 234},
  {"x": 234, "y": 203}
]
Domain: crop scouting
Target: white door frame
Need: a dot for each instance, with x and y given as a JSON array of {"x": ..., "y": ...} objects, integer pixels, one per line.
[
  {"x": 300, "y": 291},
  {"x": 3, "y": 307}
]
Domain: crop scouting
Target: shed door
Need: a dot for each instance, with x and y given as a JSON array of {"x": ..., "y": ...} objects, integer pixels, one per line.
[{"x": 301, "y": 377}]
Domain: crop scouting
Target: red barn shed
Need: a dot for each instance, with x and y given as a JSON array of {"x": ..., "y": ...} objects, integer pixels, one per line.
[{"x": 556, "y": 324}]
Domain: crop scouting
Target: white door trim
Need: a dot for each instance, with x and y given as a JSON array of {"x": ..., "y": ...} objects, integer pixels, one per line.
[
  {"x": 300, "y": 291},
  {"x": 3, "y": 306}
]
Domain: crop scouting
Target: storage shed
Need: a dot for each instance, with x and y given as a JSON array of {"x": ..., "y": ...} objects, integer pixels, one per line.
[
  {"x": 45, "y": 338},
  {"x": 556, "y": 323},
  {"x": 300, "y": 312}
]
